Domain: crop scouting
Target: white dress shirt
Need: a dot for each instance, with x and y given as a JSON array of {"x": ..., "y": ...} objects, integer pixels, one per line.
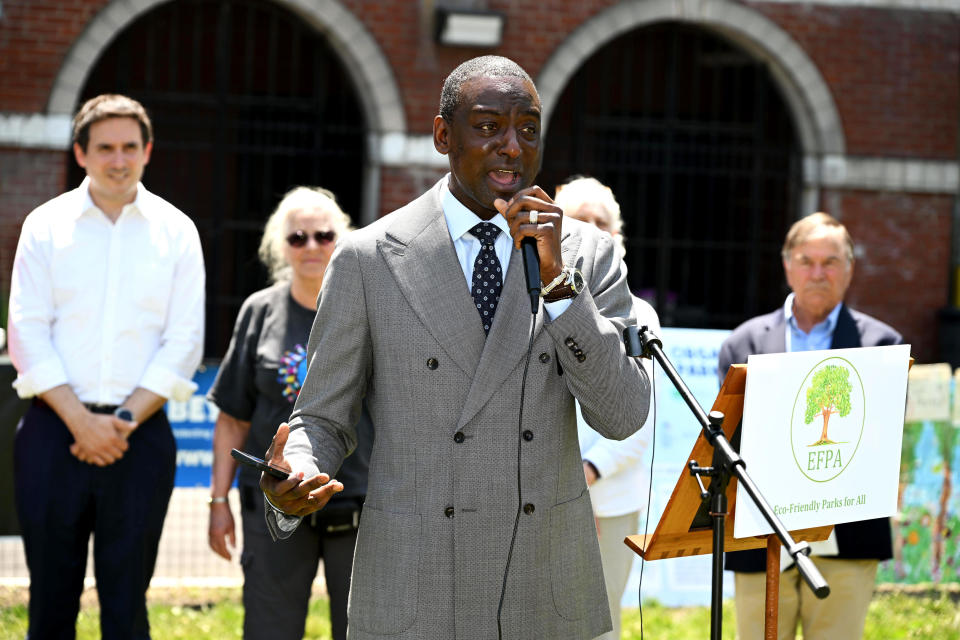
[
  {"x": 459, "y": 222},
  {"x": 107, "y": 307},
  {"x": 624, "y": 479}
]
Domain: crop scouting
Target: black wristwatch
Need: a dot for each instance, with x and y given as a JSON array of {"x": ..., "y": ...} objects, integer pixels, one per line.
[{"x": 123, "y": 413}]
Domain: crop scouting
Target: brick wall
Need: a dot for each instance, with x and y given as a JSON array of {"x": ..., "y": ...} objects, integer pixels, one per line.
[
  {"x": 35, "y": 36},
  {"x": 903, "y": 265},
  {"x": 28, "y": 178},
  {"x": 893, "y": 74},
  {"x": 398, "y": 186}
]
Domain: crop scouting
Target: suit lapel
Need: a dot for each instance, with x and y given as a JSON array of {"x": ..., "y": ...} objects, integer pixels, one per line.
[
  {"x": 421, "y": 257},
  {"x": 506, "y": 345},
  {"x": 774, "y": 339}
]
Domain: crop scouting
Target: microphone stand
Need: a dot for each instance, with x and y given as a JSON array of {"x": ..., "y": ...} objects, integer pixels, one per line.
[{"x": 641, "y": 342}]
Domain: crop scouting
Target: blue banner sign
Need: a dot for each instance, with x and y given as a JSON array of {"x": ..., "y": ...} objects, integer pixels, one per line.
[{"x": 192, "y": 422}]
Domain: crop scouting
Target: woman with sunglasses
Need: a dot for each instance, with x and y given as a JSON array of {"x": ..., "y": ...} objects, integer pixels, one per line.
[{"x": 258, "y": 381}]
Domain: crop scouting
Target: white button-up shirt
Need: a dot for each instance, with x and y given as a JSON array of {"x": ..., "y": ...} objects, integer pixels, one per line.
[{"x": 107, "y": 307}]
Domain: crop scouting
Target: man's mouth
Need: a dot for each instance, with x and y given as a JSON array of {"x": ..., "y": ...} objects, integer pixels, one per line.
[{"x": 504, "y": 177}]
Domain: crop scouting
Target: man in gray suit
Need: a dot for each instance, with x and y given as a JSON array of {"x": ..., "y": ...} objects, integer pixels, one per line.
[
  {"x": 425, "y": 314},
  {"x": 818, "y": 261}
]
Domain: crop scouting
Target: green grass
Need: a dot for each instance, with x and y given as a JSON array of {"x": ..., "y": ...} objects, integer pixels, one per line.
[{"x": 214, "y": 614}]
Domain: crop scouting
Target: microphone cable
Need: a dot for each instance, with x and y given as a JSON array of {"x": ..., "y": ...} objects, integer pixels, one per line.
[
  {"x": 653, "y": 453},
  {"x": 516, "y": 520}
]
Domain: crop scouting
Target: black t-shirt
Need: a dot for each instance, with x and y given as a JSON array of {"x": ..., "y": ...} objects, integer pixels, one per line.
[{"x": 260, "y": 378}]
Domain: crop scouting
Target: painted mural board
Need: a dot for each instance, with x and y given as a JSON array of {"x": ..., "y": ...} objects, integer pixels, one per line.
[
  {"x": 929, "y": 392},
  {"x": 822, "y": 435}
]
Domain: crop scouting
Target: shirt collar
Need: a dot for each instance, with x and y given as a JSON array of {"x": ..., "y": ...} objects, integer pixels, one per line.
[
  {"x": 827, "y": 326},
  {"x": 87, "y": 204},
  {"x": 460, "y": 219}
]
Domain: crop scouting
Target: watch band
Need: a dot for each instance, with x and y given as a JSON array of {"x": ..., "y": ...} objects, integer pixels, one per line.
[
  {"x": 212, "y": 500},
  {"x": 547, "y": 288}
]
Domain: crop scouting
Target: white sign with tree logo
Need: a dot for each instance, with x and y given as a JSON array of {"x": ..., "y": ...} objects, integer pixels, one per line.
[{"x": 821, "y": 436}]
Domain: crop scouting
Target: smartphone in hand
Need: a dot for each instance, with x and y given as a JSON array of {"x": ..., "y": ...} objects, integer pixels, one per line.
[{"x": 257, "y": 463}]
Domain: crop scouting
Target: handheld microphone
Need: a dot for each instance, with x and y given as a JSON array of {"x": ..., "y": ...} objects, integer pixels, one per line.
[{"x": 531, "y": 268}]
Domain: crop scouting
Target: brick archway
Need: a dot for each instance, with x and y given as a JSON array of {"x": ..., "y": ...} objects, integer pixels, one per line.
[
  {"x": 360, "y": 53},
  {"x": 805, "y": 91}
]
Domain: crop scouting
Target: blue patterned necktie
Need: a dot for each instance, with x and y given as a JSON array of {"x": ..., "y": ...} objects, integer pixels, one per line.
[{"x": 487, "y": 275}]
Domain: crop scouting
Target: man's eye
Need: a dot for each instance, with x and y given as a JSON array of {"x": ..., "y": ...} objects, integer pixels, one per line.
[{"x": 486, "y": 126}]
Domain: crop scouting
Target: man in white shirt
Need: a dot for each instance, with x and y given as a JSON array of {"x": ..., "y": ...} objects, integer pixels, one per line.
[{"x": 105, "y": 323}]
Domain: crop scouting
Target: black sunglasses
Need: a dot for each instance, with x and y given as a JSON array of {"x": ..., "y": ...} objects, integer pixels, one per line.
[{"x": 299, "y": 237}]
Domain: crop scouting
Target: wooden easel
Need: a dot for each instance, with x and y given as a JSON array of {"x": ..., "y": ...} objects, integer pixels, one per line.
[{"x": 685, "y": 529}]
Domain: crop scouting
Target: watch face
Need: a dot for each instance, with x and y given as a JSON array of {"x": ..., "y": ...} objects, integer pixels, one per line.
[{"x": 576, "y": 282}]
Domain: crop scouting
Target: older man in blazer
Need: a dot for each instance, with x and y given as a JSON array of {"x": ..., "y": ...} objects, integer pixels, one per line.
[
  {"x": 818, "y": 262},
  {"x": 477, "y": 521}
]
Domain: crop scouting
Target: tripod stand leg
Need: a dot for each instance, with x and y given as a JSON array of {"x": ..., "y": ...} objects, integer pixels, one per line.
[{"x": 772, "y": 608}]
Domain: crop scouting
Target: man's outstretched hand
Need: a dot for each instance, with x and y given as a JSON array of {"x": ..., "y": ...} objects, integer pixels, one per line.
[{"x": 295, "y": 496}]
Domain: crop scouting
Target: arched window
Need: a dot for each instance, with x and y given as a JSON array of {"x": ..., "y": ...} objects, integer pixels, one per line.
[
  {"x": 247, "y": 101},
  {"x": 698, "y": 146}
]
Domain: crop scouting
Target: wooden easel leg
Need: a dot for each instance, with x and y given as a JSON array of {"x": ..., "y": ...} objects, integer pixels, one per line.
[{"x": 772, "y": 608}]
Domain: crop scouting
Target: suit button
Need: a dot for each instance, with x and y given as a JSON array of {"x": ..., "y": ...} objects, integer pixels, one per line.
[
  {"x": 448, "y": 512},
  {"x": 432, "y": 364},
  {"x": 570, "y": 342},
  {"x": 577, "y": 353},
  {"x": 544, "y": 357},
  {"x": 581, "y": 357},
  {"x": 528, "y": 508},
  {"x": 458, "y": 437},
  {"x": 528, "y": 435}
]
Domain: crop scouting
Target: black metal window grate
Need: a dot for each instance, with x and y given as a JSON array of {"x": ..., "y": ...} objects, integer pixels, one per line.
[
  {"x": 247, "y": 102},
  {"x": 699, "y": 148}
]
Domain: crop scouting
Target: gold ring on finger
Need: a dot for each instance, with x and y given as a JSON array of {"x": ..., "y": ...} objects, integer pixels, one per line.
[{"x": 534, "y": 216}]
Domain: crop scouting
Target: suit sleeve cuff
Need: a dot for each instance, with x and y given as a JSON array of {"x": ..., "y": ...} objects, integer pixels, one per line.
[
  {"x": 40, "y": 378},
  {"x": 167, "y": 384}
]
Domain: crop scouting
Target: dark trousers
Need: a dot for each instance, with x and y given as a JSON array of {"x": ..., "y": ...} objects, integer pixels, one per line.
[
  {"x": 61, "y": 501},
  {"x": 278, "y": 575}
]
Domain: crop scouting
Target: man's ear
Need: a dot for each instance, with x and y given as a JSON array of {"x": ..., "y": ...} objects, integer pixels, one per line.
[
  {"x": 80, "y": 156},
  {"x": 441, "y": 135}
]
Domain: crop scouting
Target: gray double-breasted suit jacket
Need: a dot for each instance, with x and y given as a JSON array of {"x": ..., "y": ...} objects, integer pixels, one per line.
[{"x": 396, "y": 324}]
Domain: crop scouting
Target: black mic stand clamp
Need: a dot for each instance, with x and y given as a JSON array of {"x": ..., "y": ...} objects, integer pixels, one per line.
[{"x": 643, "y": 343}]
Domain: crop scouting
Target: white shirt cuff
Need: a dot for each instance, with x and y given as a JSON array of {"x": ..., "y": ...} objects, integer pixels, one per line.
[
  {"x": 40, "y": 378},
  {"x": 167, "y": 384},
  {"x": 555, "y": 309}
]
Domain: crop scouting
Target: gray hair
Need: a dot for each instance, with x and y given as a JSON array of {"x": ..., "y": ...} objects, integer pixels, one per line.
[
  {"x": 804, "y": 228},
  {"x": 580, "y": 191},
  {"x": 275, "y": 231}
]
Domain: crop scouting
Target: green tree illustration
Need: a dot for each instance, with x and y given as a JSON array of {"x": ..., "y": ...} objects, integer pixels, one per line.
[{"x": 829, "y": 393}]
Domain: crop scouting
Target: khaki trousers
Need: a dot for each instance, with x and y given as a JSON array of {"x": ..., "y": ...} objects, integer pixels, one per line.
[
  {"x": 840, "y": 616},
  {"x": 617, "y": 560}
]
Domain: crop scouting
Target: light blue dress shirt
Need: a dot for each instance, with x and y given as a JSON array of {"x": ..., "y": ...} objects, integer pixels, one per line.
[{"x": 820, "y": 336}]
